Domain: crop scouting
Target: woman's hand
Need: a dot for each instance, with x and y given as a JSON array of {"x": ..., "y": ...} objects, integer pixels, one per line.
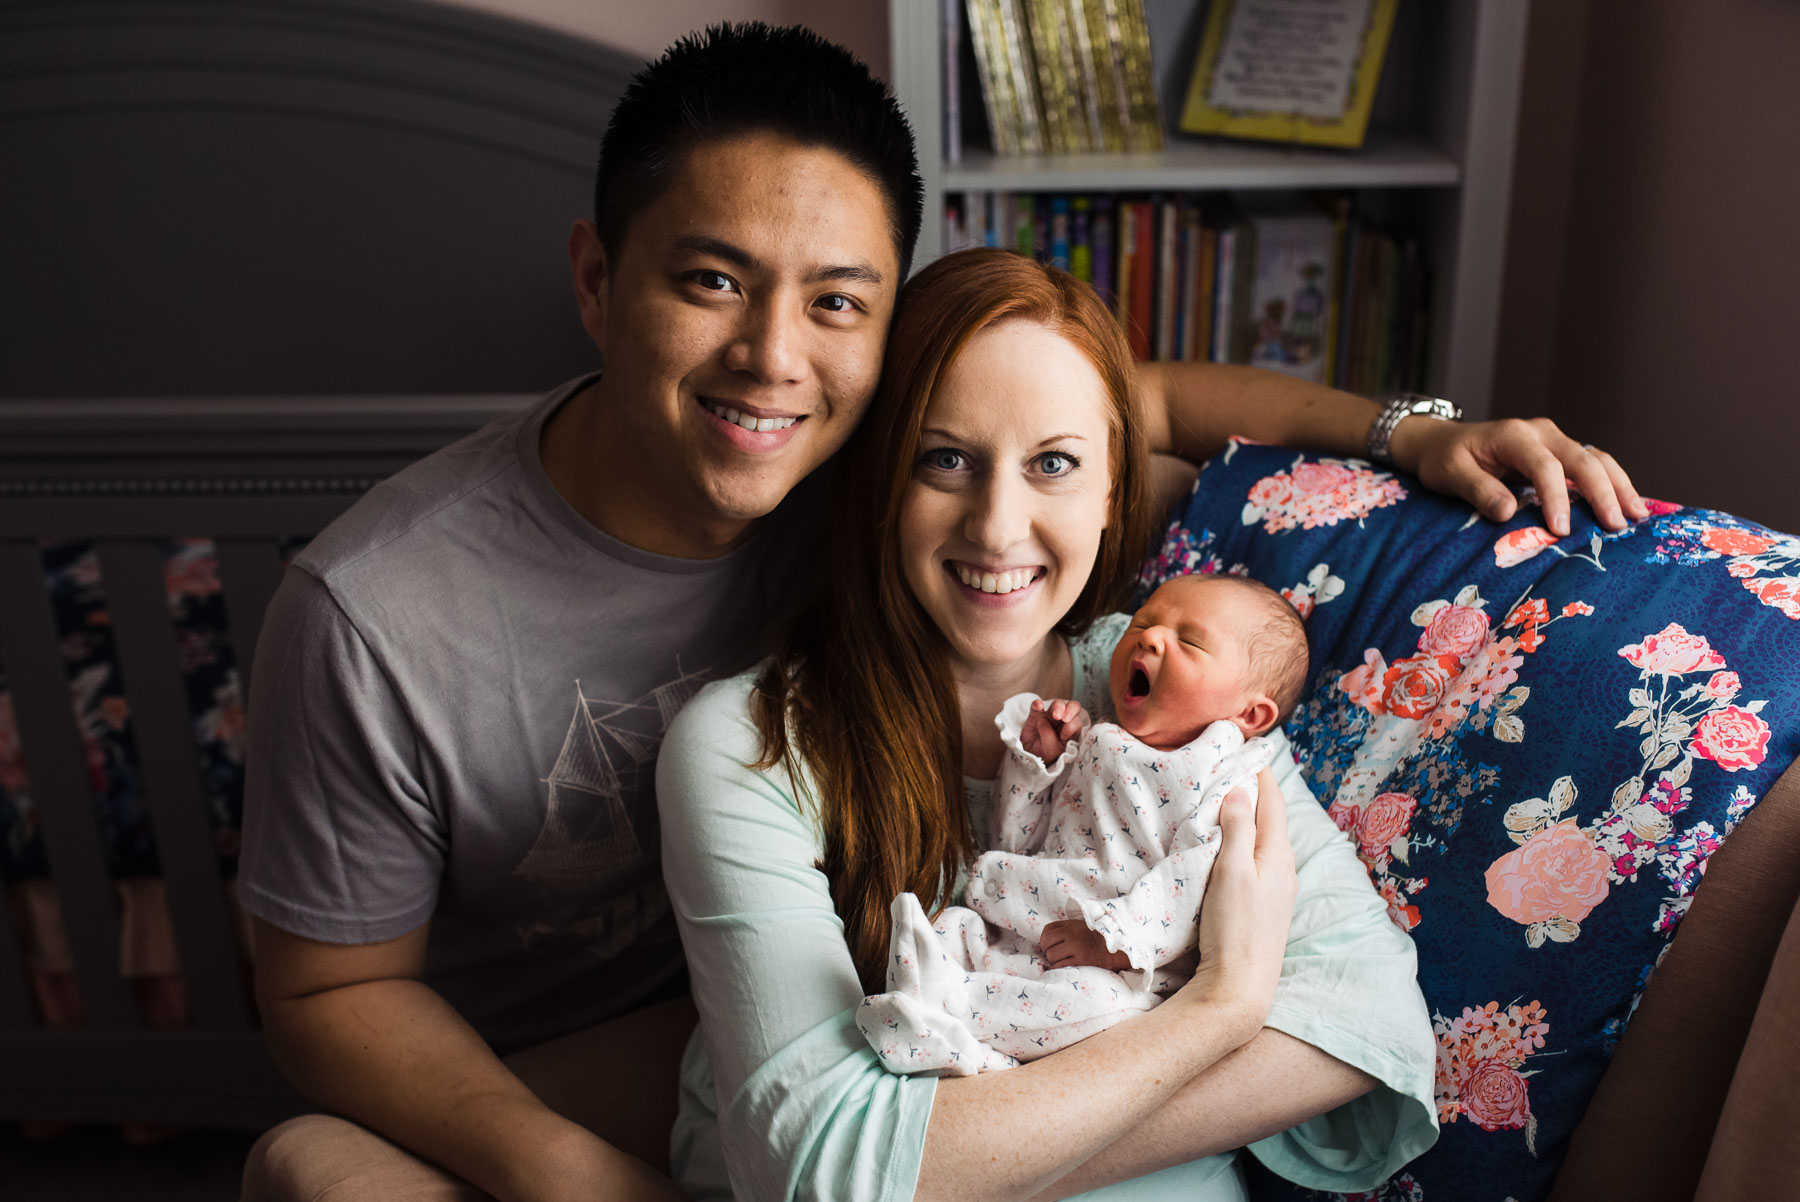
[
  {"x": 1248, "y": 906},
  {"x": 1472, "y": 461}
]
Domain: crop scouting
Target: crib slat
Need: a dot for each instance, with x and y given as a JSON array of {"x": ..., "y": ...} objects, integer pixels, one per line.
[
  {"x": 137, "y": 598},
  {"x": 250, "y": 570},
  {"x": 59, "y": 784},
  {"x": 15, "y": 1000}
]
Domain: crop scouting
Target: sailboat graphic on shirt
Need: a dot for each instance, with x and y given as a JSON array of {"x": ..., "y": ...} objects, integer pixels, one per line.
[{"x": 599, "y": 831}]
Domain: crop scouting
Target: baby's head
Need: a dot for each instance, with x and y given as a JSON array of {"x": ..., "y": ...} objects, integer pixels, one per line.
[{"x": 1205, "y": 649}]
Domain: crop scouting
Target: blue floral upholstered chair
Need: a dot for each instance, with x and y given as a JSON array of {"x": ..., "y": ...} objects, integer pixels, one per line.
[{"x": 1537, "y": 745}]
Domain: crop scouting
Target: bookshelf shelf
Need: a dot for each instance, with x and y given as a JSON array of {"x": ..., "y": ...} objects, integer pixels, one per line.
[
  {"x": 1441, "y": 149},
  {"x": 1391, "y": 159}
]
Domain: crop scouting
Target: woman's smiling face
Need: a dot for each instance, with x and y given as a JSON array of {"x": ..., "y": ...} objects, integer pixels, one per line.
[{"x": 1003, "y": 517}]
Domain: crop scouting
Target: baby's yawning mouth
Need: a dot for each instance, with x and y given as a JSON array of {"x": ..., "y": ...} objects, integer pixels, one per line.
[{"x": 1140, "y": 683}]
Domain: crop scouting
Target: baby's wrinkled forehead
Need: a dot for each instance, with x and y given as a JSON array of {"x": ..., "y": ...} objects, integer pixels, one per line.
[
  {"x": 1238, "y": 608},
  {"x": 1203, "y": 592}
]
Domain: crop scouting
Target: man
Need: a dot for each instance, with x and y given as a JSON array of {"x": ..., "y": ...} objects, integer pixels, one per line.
[{"x": 450, "y": 840}]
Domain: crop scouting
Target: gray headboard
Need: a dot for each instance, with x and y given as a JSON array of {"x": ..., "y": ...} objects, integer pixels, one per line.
[{"x": 290, "y": 197}]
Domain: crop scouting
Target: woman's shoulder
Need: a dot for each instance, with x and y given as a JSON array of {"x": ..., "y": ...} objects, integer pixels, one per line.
[
  {"x": 720, "y": 706},
  {"x": 1092, "y": 656},
  {"x": 711, "y": 751},
  {"x": 715, "y": 727},
  {"x": 1104, "y": 633}
]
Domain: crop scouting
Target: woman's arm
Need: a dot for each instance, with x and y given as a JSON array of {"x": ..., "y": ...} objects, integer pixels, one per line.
[
  {"x": 805, "y": 1109},
  {"x": 1008, "y": 1135},
  {"x": 1193, "y": 408},
  {"x": 1261, "y": 1089},
  {"x": 1348, "y": 1026}
]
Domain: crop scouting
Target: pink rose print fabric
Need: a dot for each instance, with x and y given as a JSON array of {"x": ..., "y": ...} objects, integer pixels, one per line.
[
  {"x": 1319, "y": 493},
  {"x": 1534, "y": 744},
  {"x": 1116, "y": 834}
]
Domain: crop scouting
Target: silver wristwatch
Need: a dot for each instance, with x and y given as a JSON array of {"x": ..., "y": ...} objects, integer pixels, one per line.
[{"x": 1401, "y": 406}]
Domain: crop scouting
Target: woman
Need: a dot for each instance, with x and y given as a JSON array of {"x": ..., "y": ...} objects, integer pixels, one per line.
[{"x": 994, "y": 506}]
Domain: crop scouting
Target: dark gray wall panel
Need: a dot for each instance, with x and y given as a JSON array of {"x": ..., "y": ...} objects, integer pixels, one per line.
[{"x": 207, "y": 198}]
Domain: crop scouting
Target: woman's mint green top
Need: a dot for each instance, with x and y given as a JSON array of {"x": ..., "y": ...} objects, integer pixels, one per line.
[{"x": 783, "y": 1099}]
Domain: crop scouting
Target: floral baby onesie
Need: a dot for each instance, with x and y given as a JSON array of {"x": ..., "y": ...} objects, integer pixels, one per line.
[{"x": 1115, "y": 834}]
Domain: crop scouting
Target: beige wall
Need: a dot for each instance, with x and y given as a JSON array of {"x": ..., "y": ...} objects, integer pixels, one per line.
[
  {"x": 1654, "y": 249},
  {"x": 646, "y": 26}
]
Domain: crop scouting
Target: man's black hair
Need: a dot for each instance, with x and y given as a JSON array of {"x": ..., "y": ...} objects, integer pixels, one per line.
[{"x": 736, "y": 79}]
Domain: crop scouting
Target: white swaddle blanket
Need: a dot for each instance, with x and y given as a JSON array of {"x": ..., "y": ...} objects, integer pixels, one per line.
[{"x": 1116, "y": 834}]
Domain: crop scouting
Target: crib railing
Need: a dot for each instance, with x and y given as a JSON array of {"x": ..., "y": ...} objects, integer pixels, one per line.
[
  {"x": 253, "y": 473},
  {"x": 217, "y": 1069}
]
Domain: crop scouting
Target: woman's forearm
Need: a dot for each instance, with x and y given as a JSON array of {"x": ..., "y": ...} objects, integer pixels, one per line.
[
  {"x": 1270, "y": 1084},
  {"x": 1007, "y": 1135},
  {"x": 1011, "y": 1134}
]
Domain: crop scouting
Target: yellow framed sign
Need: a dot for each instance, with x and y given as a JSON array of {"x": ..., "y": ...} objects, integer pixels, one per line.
[{"x": 1289, "y": 70}]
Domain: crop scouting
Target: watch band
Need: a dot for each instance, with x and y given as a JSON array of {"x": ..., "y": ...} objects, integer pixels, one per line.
[{"x": 1401, "y": 406}]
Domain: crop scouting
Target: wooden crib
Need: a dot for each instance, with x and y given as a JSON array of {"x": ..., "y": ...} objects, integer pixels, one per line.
[
  {"x": 257, "y": 256},
  {"x": 215, "y": 1071}
]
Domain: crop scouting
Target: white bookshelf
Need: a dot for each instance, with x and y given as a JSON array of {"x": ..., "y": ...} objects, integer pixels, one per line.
[{"x": 1440, "y": 149}]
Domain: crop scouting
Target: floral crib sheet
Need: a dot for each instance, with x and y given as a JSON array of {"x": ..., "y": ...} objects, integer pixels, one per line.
[
  {"x": 1535, "y": 744},
  {"x": 102, "y": 715}
]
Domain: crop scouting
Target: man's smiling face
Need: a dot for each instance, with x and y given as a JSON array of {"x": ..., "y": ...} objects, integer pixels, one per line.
[{"x": 742, "y": 325}]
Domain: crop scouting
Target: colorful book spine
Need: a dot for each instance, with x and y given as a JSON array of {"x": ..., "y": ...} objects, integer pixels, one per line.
[
  {"x": 1024, "y": 218},
  {"x": 987, "y": 38},
  {"x": 1224, "y": 279},
  {"x": 1203, "y": 292},
  {"x": 1106, "y": 240},
  {"x": 1016, "y": 49},
  {"x": 1059, "y": 232},
  {"x": 1166, "y": 280},
  {"x": 1143, "y": 278},
  {"x": 1081, "y": 233},
  {"x": 1312, "y": 291},
  {"x": 1190, "y": 258},
  {"x": 1127, "y": 266},
  {"x": 1054, "y": 73},
  {"x": 1088, "y": 90}
]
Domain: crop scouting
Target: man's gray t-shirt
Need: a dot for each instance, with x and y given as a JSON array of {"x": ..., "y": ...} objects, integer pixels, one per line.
[{"x": 459, "y": 693}]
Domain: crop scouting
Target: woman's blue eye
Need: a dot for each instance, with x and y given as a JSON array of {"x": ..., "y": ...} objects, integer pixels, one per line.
[
  {"x": 943, "y": 459},
  {"x": 1055, "y": 463}
]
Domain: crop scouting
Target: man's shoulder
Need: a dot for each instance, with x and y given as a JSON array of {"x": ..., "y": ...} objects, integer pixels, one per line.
[{"x": 416, "y": 500}]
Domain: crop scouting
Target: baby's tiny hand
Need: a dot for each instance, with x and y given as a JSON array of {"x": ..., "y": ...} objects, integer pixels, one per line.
[
  {"x": 1071, "y": 944},
  {"x": 1052, "y": 726}
]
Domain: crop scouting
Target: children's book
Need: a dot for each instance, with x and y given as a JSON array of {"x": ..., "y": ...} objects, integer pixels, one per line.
[{"x": 1291, "y": 288}]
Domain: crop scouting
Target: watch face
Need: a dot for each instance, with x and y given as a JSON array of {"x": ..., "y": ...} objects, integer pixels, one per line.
[{"x": 1435, "y": 406}]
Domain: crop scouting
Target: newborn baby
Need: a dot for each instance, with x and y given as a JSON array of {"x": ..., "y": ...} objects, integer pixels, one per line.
[{"x": 1087, "y": 908}]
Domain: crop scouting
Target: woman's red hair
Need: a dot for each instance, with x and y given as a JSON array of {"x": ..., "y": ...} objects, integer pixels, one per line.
[{"x": 859, "y": 702}]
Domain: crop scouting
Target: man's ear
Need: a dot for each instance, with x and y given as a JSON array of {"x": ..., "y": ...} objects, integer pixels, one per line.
[
  {"x": 1258, "y": 715},
  {"x": 592, "y": 278}
]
